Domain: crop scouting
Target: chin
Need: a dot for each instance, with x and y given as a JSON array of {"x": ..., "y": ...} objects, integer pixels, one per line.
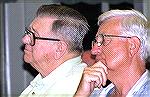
[{"x": 27, "y": 59}]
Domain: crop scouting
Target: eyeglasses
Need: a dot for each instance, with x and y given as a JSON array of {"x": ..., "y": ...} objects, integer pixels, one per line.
[
  {"x": 33, "y": 37},
  {"x": 101, "y": 39}
]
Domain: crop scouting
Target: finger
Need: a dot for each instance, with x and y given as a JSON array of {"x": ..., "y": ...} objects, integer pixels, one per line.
[
  {"x": 92, "y": 86},
  {"x": 100, "y": 64},
  {"x": 94, "y": 77},
  {"x": 103, "y": 75},
  {"x": 98, "y": 72},
  {"x": 94, "y": 81}
]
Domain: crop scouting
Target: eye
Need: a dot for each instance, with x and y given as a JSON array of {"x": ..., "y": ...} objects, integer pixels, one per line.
[{"x": 107, "y": 40}]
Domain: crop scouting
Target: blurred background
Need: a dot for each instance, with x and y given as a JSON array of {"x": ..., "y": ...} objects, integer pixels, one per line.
[{"x": 16, "y": 14}]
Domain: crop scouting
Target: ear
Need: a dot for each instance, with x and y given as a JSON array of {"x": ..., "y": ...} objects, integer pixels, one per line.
[
  {"x": 134, "y": 45},
  {"x": 60, "y": 49}
]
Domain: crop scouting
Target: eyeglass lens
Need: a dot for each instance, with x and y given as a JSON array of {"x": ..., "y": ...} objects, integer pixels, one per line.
[
  {"x": 31, "y": 35},
  {"x": 100, "y": 39}
]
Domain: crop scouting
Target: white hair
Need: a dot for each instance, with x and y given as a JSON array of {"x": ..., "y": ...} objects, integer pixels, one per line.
[{"x": 134, "y": 24}]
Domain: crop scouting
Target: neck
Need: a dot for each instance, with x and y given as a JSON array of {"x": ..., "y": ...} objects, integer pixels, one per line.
[{"x": 50, "y": 66}]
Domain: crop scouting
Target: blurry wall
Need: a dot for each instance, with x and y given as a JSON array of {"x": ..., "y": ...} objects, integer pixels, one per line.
[
  {"x": 1, "y": 66},
  {"x": 17, "y": 74}
]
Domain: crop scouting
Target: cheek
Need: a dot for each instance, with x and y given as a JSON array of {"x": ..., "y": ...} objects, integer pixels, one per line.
[
  {"x": 38, "y": 52},
  {"x": 42, "y": 54},
  {"x": 116, "y": 56}
]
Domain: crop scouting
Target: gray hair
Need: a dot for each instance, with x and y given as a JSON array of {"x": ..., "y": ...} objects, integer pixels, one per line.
[
  {"x": 70, "y": 25},
  {"x": 134, "y": 24}
]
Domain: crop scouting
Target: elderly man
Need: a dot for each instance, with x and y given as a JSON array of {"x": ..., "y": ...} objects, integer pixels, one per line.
[
  {"x": 53, "y": 46},
  {"x": 121, "y": 48}
]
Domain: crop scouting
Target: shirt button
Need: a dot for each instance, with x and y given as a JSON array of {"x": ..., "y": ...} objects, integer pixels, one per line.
[{"x": 33, "y": 93}]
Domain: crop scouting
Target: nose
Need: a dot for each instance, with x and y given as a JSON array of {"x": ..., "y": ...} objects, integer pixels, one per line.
[
  {"x": 26, "y": 39},
  {"x": 96, "y": 49}
]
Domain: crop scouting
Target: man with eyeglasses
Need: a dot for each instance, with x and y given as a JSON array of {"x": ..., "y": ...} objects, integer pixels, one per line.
[
  {"x": 121, "y": 48},
  {"x": 53, "y": 46}
]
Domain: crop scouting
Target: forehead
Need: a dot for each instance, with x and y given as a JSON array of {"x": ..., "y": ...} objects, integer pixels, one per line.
[
  {"x": 42, "y": 23},
  {"x": 110, "y": 26}
]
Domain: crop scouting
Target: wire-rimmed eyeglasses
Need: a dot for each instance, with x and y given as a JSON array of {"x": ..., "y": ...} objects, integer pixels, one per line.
[
  {"x": 33, "y": 37},
  {"x": 101, "y": 40}
]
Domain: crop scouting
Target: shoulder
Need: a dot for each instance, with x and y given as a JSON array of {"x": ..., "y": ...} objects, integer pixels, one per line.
[{"x": 145, "y": 89}]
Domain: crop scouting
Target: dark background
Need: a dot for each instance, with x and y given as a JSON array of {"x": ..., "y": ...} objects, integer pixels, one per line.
[{"x": 91, "y": 12}]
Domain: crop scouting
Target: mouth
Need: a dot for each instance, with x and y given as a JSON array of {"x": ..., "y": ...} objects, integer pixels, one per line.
[
  {"x": 27, "y": 48},
  {"x": 26, "y": 52},
  {"x": 100, "y": 59}
]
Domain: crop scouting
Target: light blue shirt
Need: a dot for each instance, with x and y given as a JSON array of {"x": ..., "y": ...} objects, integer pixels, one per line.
[{"x": 140, "y": 89}]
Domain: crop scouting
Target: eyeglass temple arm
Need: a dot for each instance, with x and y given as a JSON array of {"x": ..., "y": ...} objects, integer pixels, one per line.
[
  {"x": 47, "y": 38},
  {"x": 117, "y": 36}
]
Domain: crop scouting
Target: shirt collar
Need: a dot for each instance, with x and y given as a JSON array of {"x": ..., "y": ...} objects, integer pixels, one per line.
[{"x": 144, "y": 78}]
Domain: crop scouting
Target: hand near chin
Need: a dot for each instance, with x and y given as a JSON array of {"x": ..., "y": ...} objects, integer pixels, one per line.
[{"x": 93, "y": 76}]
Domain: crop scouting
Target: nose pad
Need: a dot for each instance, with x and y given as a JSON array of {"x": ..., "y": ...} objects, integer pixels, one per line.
[
  {"x": 26, "y": 39},
  {"x": 96, "y": 50}
]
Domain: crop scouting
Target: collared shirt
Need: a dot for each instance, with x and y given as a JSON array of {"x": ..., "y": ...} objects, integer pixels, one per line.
[
  {"x": 140, "y": 89},
  {"x": 62, "y": 82}
]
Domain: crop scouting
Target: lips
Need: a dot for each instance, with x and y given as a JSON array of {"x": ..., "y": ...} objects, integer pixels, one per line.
[
  {"x": 28, "y": 48},
  {"x": 100, "y": 59}
]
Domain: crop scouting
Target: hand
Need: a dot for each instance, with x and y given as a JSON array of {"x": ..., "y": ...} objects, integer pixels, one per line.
[{"x": 93, "y": 76}]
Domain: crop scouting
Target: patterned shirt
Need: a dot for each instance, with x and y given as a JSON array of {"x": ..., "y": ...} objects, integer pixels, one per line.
[{"x": 140, "y": 89}]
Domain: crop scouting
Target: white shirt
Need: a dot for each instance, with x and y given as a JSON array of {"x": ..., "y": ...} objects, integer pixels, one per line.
[
  {"x": 140, "y": 89},
  {"x": 62, "y": 82}
]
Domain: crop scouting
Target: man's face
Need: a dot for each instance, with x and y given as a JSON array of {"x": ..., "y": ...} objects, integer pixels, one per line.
[
  {"x": 42, "y": 52},
  {"x": 114, "y": 52}
]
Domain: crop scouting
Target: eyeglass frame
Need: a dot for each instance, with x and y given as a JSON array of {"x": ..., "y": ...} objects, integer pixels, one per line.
[
  {"x": 27, "y": 31},
  {"x": 104, "y": 35}
]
